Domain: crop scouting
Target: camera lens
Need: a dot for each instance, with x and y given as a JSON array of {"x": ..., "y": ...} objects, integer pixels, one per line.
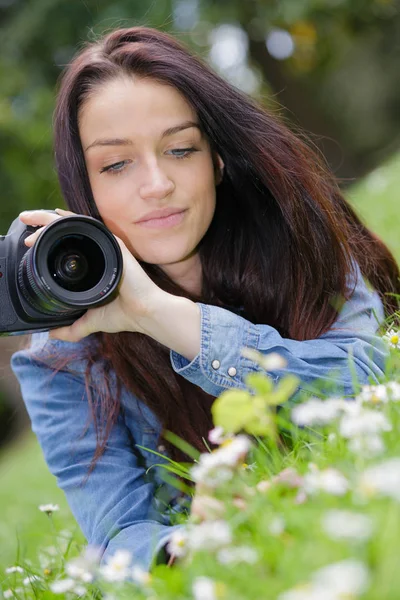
[
  {"x": 71, "y": 267},
  {"x": 69, "y": 260},
  {"x": 75, "y": 264}
]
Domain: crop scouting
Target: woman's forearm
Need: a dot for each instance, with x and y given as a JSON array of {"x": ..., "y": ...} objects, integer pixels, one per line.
[{"x": 175, "y": 322}]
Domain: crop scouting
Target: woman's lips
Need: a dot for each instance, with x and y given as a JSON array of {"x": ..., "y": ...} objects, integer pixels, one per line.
[{"x": 164, "y": 222}]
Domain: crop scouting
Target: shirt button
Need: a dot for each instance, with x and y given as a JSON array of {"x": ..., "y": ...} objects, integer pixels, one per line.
[
  {"x": 232, "y": 371},
  {"x": 161, "y": 448},
  {"x": 215, "y": 364}
]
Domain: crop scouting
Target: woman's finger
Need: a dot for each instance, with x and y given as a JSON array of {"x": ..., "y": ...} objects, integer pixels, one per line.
[
  {"x": 31, "y": 239},
  {"x": 40, "y": 217}
]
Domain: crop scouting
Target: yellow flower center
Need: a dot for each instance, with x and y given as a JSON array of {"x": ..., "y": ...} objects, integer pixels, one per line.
[{"x": 394, "y": 338}]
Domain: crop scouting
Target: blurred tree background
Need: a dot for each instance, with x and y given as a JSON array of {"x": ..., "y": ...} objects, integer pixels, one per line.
[{"x": 330, "y": 67}]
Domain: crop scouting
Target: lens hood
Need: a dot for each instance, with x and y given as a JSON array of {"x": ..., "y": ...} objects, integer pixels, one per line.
[{"x": 75, "y": 264}]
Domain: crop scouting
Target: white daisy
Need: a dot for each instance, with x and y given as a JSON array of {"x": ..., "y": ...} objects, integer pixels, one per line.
[
  {"x": 367, "y": 422},
  {"x": 117, "y": 566},
  {"x": 246, "y": 554},
  {"x": 382, "y": 479},
  {"x": 345, "y": 578},
  {"x": 270, "y": 362},
  {"x": 367, "y": 446},
  {"x": 141, "y": 576},
  {"x": 373, "y": 394},
  {"x": 62, "y": 585},
  {"x": 204, "y": 588},
  {"x": 210, "y": 535},
  {"x": 179, "y": 543},
  {"x": 49, "y": 508},
  {"x": 392, "y": 337},
  {"x": 320, "y": 412},
  {"x": 15, "y": 569},
  {"x": 329, "y": 480},
  {"x": 30, "y": 579},
  {"x": 346, "y": 524}
]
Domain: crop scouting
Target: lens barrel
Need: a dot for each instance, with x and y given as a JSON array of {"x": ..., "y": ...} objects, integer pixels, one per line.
[{"x": 75, "y": 264}]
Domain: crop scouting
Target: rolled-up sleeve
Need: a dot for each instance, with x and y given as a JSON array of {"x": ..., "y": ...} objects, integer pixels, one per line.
[
  {"x": 350, "y": 350},
  {"x": 114, "y": 506}
]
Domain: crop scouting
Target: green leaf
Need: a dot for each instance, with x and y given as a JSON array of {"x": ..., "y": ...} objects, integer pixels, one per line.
[
  {"x": 260, "y": 382},
  {"x": 181, "y": 444},
  {"x": 284, "y": 390},
  {"x": 232, "y": 410},
  {"x": 261, "y": 426}
]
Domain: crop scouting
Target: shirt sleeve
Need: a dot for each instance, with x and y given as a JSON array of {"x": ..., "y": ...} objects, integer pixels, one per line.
[
  {"x": 351, "y": 347},
  {"x": 114, "y": 508}
]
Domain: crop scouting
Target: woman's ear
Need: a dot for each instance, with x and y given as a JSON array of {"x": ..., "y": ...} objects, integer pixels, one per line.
[{"x": 219, "y": 169}]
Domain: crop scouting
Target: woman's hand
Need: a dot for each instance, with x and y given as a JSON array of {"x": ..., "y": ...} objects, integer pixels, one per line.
[{"x": 131, "y": 310}]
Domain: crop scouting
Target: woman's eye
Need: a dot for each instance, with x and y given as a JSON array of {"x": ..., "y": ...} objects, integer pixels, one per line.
[
  {"x": 183, "y": 152},
  {"x": 115, "y": 168}
]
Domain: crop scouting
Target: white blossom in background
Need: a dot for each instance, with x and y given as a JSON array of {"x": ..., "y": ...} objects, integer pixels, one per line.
[
  {"x": 373, "y": 394},
  {"x": 270, "y": 362},
  {"x": 49, "y": 508},
  {"x": 215, "y": 468},
  {"x": 367, "y": 422},
  {"x": 62, "y": 586},
  {"x": 210, "y": 535},
  {"x": 318, "y": 412},
  {"x": 117, "y": 566},
  {"x": 238, "y": 554},
  {"x": 207, "y": 507},
  {"x": 289, "y": 477},
  {"x": 346, "y": 578},
  {"x": 338, "y": 581},
  {"x": 277, "y": 526},
  {"x": 8, "y": 594},
  {"x": 329, "y": 480},
  {"x": 382, "y": 479},
  {"x": 306, "y": 592},
  {"x": 348, "y": 525},
  {"x": 210, "y": 473},
  {"x": 14, "y": 569},
  {"x": 140, "y": 576},
  {"x": 367, "y": 446},
  {"x": 394, "y": 390},
  {"x": 392, "y": 337},
  {"x": 79, "y": 590},
  {"x": 218, "y": 436},
  {"x": 83, "y": 567},
  {"x": 280, "y": 44},
  {"x": 204, "y": 588},
  {"x": 179, "y": 543},
  {"x": 30, "y": 579}
]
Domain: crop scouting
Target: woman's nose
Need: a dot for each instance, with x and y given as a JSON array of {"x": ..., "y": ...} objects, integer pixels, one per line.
[{"x": 156, "y": 184}]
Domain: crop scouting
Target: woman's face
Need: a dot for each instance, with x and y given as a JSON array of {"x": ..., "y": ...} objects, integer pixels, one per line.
[{"x": 137, "y": 166}]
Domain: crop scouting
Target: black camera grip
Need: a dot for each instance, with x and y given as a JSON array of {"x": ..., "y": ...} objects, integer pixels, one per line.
[{"x": 7, "y": 314}]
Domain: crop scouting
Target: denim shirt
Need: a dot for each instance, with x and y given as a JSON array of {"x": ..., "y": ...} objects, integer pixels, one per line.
[{"x": 125, "y": 503}]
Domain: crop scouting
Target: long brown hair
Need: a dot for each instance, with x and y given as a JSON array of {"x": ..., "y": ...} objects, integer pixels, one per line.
[{"x": 281, "y": 242}]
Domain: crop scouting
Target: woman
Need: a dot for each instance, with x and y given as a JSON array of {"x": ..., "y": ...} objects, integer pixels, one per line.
[{"x": 262, "y": 251}]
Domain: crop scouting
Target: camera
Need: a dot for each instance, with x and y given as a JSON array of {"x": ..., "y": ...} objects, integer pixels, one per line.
[{"x": 75, "y": 264}]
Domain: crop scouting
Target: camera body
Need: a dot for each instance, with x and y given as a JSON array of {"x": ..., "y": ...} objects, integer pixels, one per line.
[{"x": 75, "y": 264}]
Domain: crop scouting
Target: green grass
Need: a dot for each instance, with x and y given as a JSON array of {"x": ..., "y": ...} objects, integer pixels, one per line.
[
  {"x": 376, "y": 200},
  {"x": 25, "y": 483}
]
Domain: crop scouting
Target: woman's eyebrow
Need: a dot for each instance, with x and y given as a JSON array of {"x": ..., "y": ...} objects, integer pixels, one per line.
[{"x": 128, "y": 142}]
